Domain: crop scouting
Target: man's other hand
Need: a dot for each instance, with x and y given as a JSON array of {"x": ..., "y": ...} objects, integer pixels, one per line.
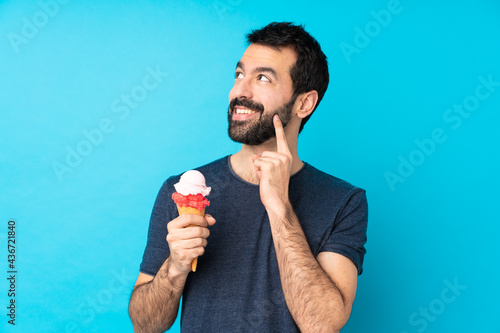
[{"x": 187, "y": 238}]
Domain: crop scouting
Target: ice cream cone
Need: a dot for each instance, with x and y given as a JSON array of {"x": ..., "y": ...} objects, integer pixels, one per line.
[
  {"x": 189, "y": 197},
  {"x": 195, "y": 211},
  {"x": 190, "y": 210}
]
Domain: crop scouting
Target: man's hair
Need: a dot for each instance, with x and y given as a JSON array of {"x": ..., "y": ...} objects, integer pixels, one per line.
[{"x": 310, "y": 72}]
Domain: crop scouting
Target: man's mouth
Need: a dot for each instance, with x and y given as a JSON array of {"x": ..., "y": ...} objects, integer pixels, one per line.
[{"x": 243, "y": 113}]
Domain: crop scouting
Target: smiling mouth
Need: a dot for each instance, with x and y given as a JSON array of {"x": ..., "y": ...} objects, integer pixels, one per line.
[{"x": 244, "y": 111}]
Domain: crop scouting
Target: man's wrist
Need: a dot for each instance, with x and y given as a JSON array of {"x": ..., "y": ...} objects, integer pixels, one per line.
[
  {"x": 175, "y": 276},
  {"x": 280, "y": 212}
]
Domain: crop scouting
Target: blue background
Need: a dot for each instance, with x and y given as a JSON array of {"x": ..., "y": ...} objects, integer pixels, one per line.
[{"x": 81, "y": 230}]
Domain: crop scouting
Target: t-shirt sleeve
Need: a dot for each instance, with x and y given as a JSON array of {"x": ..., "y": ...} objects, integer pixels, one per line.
[
  {"x": 157, "y": 250},
  {"x": 348, "y": 236}
]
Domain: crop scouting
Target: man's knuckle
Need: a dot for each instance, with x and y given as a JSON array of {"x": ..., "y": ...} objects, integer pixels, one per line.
[{"x": 197, "y": 231}]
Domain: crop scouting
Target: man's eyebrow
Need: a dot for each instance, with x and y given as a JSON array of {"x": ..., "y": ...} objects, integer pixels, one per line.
[
  {"x": 266, "y": 69},
  {"x": 259, "y": 69}
]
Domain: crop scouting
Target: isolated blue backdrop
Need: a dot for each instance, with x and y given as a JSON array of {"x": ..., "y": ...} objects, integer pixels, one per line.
[{"x": 411, "y": 115}]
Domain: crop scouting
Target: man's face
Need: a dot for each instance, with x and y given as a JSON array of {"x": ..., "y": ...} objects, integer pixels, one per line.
[{"x": 262, "y": 88}]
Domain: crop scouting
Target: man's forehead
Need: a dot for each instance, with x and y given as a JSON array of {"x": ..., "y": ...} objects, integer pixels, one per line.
[{"x": 258, "y": 55}]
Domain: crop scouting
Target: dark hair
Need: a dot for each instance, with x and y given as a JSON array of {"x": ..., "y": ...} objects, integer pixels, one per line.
[{"x": 310, "y": 72}]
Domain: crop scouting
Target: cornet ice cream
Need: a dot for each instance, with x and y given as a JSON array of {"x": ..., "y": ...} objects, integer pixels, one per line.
[{"x": 189, "y": 197}]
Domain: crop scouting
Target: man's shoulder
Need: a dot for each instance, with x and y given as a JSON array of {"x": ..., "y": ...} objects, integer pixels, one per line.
[
  {"x": 209, "y": 170},
  {"x": 214, "y": 167},
  {"x": 323, "y": 181}
]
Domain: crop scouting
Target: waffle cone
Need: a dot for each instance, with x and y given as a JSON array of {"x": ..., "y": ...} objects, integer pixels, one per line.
[
  {"x": 190, "y": 210},
  {"x": 194, "y": 211}
]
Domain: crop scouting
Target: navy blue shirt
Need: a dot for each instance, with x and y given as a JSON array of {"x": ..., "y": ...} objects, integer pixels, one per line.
[{"x": 237, "y": 287}]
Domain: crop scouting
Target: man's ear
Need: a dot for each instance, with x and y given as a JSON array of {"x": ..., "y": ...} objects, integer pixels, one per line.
[{"x": 306, "y": 103}]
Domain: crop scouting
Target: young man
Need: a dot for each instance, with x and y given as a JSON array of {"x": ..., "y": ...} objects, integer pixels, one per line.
[{"x": 288, "y": 244}]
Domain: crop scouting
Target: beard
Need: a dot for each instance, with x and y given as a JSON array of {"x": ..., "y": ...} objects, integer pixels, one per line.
[{"x": 253, "y": 132}]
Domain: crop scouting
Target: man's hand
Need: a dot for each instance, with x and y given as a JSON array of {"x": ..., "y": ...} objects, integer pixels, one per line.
[
  {"x": 155, "y": 300},
  {"x": 273, "y": 170},
  {"x": 186, "y": 241}
]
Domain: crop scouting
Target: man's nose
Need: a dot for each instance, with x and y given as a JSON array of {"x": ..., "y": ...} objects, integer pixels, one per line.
[{"x": 242, "y": 89}]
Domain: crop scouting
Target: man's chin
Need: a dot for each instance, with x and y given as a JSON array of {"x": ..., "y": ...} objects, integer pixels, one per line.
[{"x": 249, "y": 140}]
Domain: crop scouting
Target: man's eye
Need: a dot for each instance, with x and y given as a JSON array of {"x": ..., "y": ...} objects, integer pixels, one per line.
[
  {"x": 238, "y": 75},
  {"x": 264, "y": 78}
]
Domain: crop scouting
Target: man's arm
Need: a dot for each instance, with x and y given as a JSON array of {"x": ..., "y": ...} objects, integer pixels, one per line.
[
  {"x": 319, "y": 292},
  {"x": 154, "y": 302}
]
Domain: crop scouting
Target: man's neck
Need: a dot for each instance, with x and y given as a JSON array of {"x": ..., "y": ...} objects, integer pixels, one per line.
[{"x": 242, "y": 162}]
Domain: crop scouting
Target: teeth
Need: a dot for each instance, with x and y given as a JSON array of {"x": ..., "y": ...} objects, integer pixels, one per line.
[{"x": 244, "y": 111}]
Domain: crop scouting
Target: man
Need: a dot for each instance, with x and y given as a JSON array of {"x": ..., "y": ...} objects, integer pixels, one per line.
[{"x": 288, "y": 244}]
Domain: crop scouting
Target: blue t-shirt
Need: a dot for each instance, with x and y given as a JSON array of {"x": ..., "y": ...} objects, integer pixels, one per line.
[{"x": 237, "y": 287}]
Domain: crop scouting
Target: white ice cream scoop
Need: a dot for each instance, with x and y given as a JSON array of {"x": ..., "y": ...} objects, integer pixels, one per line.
[{"x": 192, "y": 182}]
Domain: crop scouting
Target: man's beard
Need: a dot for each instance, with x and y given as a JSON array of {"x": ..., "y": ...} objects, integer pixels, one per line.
[{"x": 256, "y": 131}]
